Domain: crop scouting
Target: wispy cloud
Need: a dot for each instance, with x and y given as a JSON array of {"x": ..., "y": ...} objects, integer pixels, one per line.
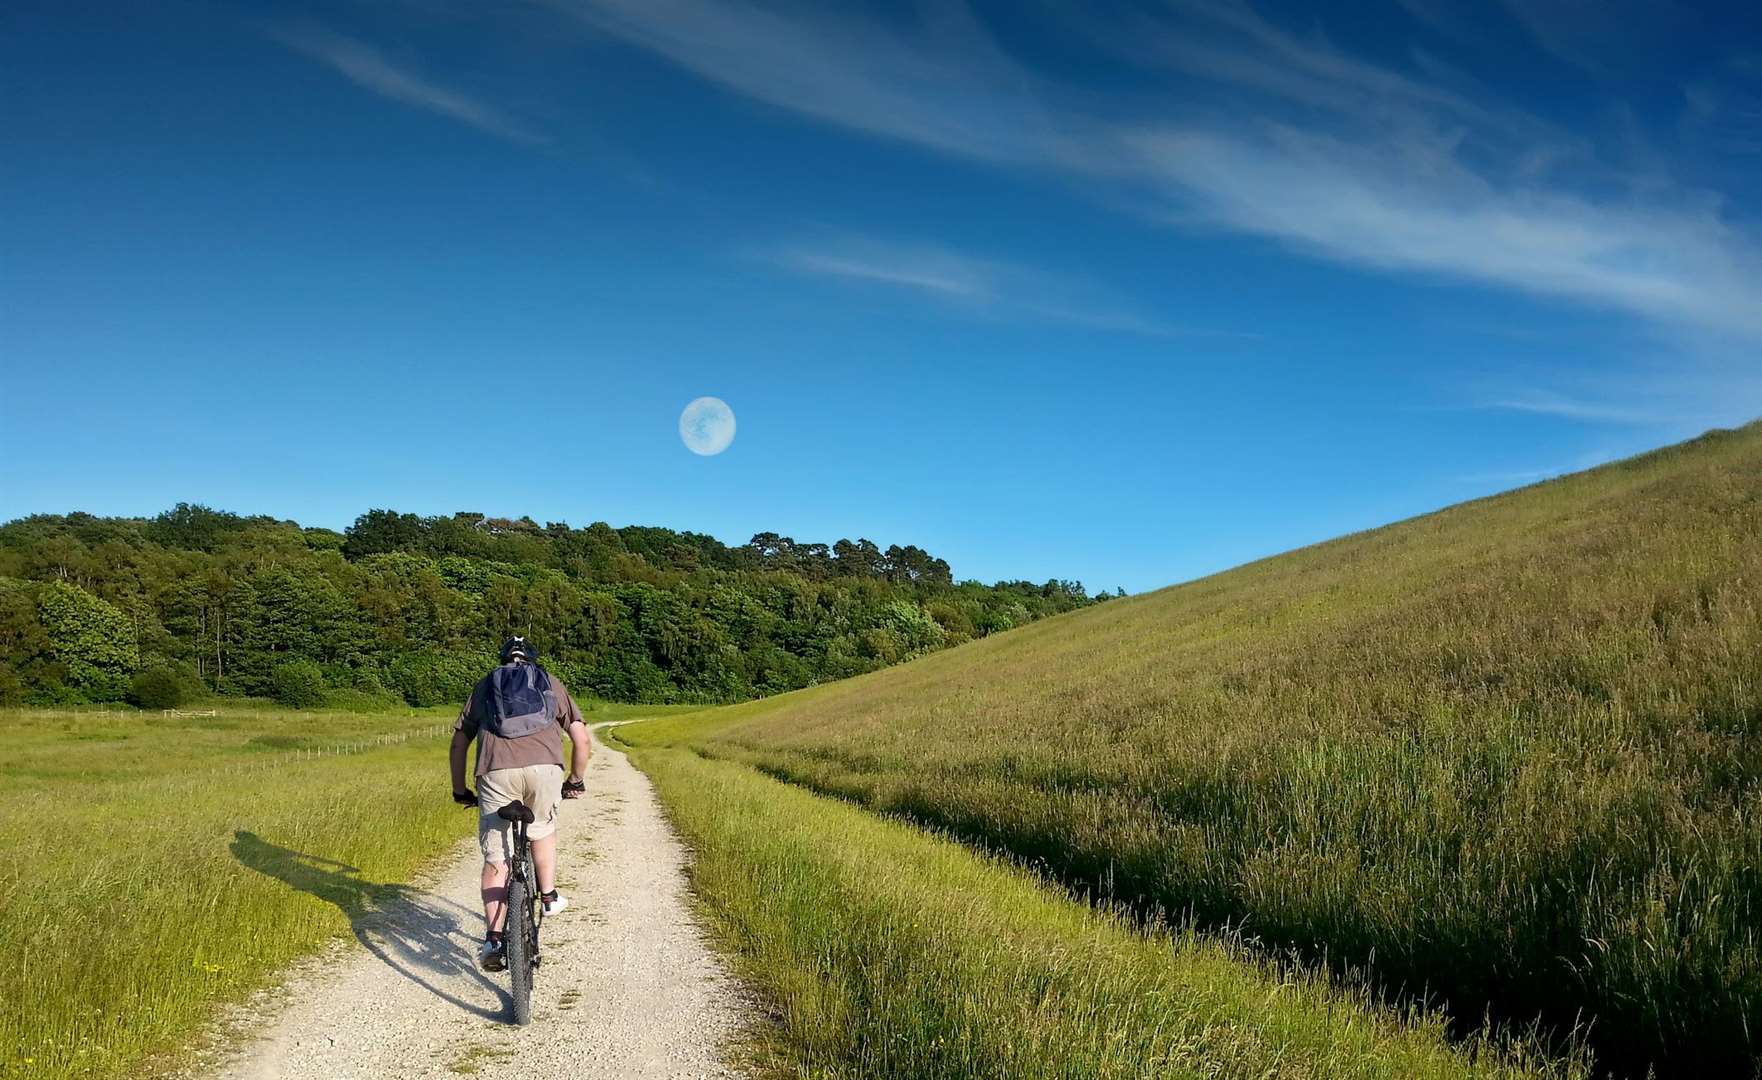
[
  {"x": 1725, "y": 116},
  {"x": 367, "y": 67},
  {"x": 1542, "y": 403},
  {"x": 994, "y": 286},
  {"x": 1606, "y": 37},
  {"x": 1446, "y": 17},
  {"x": 1510, "y": 478},
  {"x": 939, "y": 273},
  {"x": 943, "y": 84},
  {"x": 1339, "y": 157},
  {"x": 1663, "y": 396},
  {"x": 1356, "y": 203}
]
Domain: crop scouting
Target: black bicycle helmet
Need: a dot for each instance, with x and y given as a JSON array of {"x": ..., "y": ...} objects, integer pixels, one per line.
[{"x": 518, "y": 648}]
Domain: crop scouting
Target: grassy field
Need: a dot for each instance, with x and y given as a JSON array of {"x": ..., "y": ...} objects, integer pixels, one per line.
[
  {"x": 1508, "y": 755},
  {"x": 157, "y": 866},
  {"x": 888, "y": 952}
]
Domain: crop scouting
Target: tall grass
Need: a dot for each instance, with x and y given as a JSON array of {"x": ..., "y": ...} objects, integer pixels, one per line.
[
  {"x": 891, "y": 953},
  {"x": 1508, "y": 755},
  {"x": 155, "y": 867}
]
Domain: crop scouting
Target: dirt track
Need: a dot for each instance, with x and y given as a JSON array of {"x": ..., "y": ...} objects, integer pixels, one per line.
[{"x": 628, "y": 988}]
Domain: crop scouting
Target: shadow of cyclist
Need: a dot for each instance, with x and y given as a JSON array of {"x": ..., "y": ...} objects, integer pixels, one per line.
[{"x": 413, "y": 932}]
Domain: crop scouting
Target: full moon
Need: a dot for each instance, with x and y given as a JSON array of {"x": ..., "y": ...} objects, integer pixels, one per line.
[{"x": 707, "y": 426}]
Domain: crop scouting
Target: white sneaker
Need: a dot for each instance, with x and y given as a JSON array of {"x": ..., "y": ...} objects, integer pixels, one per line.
[
  {"x": 493, "y": 956},
  {"x": 552, "y": 907}
]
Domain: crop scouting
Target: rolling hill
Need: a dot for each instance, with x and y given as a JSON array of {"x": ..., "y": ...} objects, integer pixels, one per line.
[{"x": 1505, "y": 756}]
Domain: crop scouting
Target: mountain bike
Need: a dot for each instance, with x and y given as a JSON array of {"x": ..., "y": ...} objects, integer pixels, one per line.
[{"x": 525, "y": 913}]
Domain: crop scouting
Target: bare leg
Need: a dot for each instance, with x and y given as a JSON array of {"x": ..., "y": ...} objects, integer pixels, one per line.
[
  {"x": 544, "y": 860},
  {"x": 495, "y": 894}
]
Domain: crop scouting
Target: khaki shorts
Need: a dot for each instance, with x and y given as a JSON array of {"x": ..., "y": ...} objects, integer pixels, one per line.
[{"x": 540, "y": 787}]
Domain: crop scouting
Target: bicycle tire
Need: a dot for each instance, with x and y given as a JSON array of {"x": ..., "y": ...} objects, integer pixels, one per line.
[{"x": 519, "y": 938}]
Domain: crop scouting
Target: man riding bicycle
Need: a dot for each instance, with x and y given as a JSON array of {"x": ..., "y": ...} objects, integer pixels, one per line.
[{"x": 515, "y": 713}]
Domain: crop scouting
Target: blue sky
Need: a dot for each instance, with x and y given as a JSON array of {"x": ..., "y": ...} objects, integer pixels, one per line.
[{"x": 1119, "y": 292}]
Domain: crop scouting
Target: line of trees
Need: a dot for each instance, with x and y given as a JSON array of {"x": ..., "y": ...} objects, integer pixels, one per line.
[{"x": 400, "y": 606}]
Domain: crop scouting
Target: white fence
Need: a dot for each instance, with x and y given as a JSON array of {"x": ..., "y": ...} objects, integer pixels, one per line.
[{"x": 259, "y": 761}]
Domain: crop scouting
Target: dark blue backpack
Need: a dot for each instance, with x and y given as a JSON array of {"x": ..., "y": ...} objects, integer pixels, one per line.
[{"x": 516, "y": 700}]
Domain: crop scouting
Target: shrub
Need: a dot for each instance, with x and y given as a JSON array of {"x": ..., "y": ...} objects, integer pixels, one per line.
[
  {"x": 954, "y": 618},
  {"x": 157, "y": 688},
  {"x": 425, "y": 679},
  {"x": 359, "y": 700},
  {"x": 103, "y": 687},
  {"x": 298, "y": 684},
  {"x": 367, "y": 681}
]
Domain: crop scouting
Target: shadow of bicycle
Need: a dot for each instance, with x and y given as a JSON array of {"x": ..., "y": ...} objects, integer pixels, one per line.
[{"x": 415, "y": 933}]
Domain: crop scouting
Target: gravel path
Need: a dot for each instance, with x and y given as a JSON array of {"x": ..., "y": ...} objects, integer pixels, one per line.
[{"x": 628, "y": 987}]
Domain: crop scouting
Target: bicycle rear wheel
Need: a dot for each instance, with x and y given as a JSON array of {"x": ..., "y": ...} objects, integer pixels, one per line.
[{"x": 519, "y": 937}]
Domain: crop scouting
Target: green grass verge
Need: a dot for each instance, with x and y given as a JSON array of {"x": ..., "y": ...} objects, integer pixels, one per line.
[
  {"x": 156, "y": 867},
  {"x": 889, "y": 952},
  {"x": 601, "y": 712}
]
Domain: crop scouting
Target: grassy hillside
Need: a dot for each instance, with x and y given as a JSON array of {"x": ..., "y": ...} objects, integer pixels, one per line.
[{"x": 1507, "y": 753}]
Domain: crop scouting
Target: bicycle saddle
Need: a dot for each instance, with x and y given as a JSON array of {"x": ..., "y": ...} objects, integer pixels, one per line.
[{"x": 516, "y": 811}]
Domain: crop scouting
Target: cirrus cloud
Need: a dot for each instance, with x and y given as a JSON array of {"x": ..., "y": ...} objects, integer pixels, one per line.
[
  {"x": 1299, "y": 142},
  {"x": 365, "y": 66}
]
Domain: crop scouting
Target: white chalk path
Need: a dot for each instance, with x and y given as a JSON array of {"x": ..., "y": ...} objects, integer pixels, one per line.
[{"x": 628, "y": 987}]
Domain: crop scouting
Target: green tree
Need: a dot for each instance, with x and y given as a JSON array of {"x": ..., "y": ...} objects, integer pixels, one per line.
[
  {"x": 416, "y": 604},
  {"x": 298, "y": 683},
  {"x": 194, "y": 527},
  {"x": 27, "y": 668},
  {"x": 955, "y": 619},
  {"x": 293, "y": 614},
  {"x": 379, "y": 531},
  {"x": 859, "y": 559},
  {"x": 92, "y": 639},
  {"x": 426, "y": 678},
  {"x": 915, "y": 630}
]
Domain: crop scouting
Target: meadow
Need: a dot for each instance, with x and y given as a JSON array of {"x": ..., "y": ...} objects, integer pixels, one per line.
[
  {"x": 888, "y": 952},
  {"x": 1504, "y": 757},
  {"x": 157, "y": 866}
]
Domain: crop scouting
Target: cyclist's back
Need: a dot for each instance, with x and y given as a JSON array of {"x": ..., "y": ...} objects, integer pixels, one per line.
[{"x": 516, "y": 714}]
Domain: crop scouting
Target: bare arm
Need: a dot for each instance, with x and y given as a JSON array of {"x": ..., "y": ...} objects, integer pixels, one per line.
[
  {"x": 464, "y": 733},
  {"x": 456, "y": 759},
  {"x": 580, "y": 742},
  {"x": 580, "y": 752}
]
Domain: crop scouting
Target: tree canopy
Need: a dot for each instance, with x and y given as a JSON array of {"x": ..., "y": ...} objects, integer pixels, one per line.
[{"x": 414, "y": 607}]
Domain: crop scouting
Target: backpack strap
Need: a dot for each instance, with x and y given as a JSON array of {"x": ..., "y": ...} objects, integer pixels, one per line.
[{"x": 553, "y": 708}]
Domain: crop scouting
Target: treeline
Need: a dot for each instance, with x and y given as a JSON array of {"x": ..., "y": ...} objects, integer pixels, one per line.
[{"x": 398, "y": 606}]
